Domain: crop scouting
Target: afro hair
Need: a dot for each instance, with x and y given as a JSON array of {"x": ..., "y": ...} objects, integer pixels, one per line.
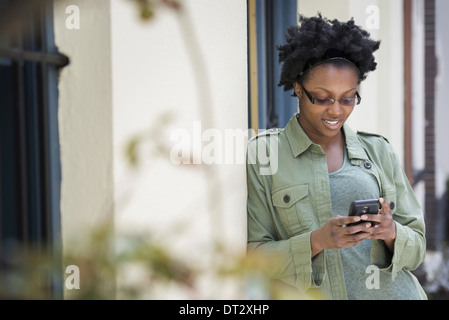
[{"x": 310, "y": 43}]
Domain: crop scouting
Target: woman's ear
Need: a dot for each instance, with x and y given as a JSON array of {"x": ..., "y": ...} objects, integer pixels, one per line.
[{"x": 298, "y": 89}]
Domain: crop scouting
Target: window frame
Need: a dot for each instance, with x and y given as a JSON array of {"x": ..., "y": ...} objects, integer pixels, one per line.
[
  {"x": 34, "y": 60},
  {"x": 269, "y": 105}
]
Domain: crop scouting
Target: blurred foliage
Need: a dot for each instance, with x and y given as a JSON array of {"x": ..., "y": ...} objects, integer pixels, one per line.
[
  {"x": 155, "y": 135},
  {"x": 132, "y": 266},
  {"x": 26, "y": 272},
  {"x": 144, "y": 265},
  {"x": 105, "y": 255},
  {"x": 158, "y": 266},
  {"x": 148, "y": 8}
]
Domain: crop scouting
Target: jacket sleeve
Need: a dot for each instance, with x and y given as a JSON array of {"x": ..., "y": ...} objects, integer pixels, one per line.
[
  {"x": 410, "y": 243},
  {"x": 288, "y": 260}
]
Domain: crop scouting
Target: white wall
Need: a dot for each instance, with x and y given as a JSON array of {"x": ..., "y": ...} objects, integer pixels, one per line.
[
  {"x": 85, "y": 123},
  {"x": 85, "y": 114},
  {"x": 193, "y": 66},
  {"x": 125, "y": 77},
  {"x": 382, "y": 105}
]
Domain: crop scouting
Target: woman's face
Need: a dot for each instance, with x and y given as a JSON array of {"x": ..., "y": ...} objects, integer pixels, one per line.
[{"x": 327, "y": 81}]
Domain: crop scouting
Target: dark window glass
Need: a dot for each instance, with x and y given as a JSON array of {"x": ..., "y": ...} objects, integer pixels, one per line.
[{"x": 29, "y": 149}]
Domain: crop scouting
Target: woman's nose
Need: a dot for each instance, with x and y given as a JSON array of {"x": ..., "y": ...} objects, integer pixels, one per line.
[{"x": 335, "y": 108}]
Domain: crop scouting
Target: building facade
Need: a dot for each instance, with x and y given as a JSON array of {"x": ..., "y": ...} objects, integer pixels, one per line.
[{"x": 149, "y": 106}]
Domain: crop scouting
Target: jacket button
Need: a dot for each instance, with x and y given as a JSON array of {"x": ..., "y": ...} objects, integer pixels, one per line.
[
  {"x": 367, "y": 165},
  {"x": 392, "y": 205},
  {"x": 286, "y": 198}
]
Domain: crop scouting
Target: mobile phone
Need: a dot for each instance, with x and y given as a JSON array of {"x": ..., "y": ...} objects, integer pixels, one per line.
[{"x": 359, "y": 207}]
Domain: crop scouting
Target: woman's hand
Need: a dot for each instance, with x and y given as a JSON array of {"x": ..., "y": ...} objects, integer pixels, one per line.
[
  {"x": 384, "y": 228},
  {"x": 337, "y": 234}
]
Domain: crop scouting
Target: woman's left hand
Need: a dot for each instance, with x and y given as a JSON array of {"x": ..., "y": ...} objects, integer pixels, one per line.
[{"x": 384, "y": 228}]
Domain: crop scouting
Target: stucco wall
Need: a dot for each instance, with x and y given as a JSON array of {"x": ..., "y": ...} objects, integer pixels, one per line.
[
  {"x": 188, "y": 67},
  {"x": 85, "y": 122},
  {"x": 182, "y": 71}
]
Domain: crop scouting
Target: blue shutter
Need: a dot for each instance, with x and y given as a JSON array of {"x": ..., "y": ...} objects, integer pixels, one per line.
[{"x": 273, "y": 18}]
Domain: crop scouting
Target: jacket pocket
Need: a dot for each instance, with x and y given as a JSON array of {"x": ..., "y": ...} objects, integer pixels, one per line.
[
  {"x": 293, "y": 207},
  {"x": 389, "y": 194}
]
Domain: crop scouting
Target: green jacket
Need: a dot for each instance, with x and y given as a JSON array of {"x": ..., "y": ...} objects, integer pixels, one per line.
[{"x": 289, "y": 197}]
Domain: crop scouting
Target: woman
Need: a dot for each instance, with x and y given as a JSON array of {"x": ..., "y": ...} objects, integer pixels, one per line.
[{"x": 298, "y": 214}]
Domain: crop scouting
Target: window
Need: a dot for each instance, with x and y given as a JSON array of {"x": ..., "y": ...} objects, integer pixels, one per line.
[
  {"x": 268, "y": 20},
  {"x": 29, "y": 143}
]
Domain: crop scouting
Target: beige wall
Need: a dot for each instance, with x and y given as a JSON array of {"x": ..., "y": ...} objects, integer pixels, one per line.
[
  {"x": 125, "y": 76},
  {"x": 85, "y": 123},
  {"x": 191, "y": 65}
]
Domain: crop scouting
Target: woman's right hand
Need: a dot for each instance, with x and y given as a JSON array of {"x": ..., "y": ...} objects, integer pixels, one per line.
[{"x": 337, "y": 234}]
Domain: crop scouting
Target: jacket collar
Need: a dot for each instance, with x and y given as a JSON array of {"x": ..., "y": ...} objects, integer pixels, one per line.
[
  {"x": 297, "y": 138},
  {"x": 353, "y": 144},
  {"x": 300, "y": 142}
]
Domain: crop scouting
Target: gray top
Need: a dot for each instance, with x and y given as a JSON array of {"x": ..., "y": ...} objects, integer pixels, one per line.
[{"x": 364, "y": 281}]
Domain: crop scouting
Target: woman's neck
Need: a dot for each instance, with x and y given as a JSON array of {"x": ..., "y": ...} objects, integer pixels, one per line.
[{"x": 326, "y": 143}]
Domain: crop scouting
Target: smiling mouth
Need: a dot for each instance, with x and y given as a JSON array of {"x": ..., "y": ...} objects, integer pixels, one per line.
[{"x": 332, "y": 123}]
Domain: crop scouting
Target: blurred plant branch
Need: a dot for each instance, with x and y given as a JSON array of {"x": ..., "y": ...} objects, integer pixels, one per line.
[
  {"x": 102, "y": 255},
  {"x": 202, "y": 85},
  {"x": 148, "y": 8}
]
